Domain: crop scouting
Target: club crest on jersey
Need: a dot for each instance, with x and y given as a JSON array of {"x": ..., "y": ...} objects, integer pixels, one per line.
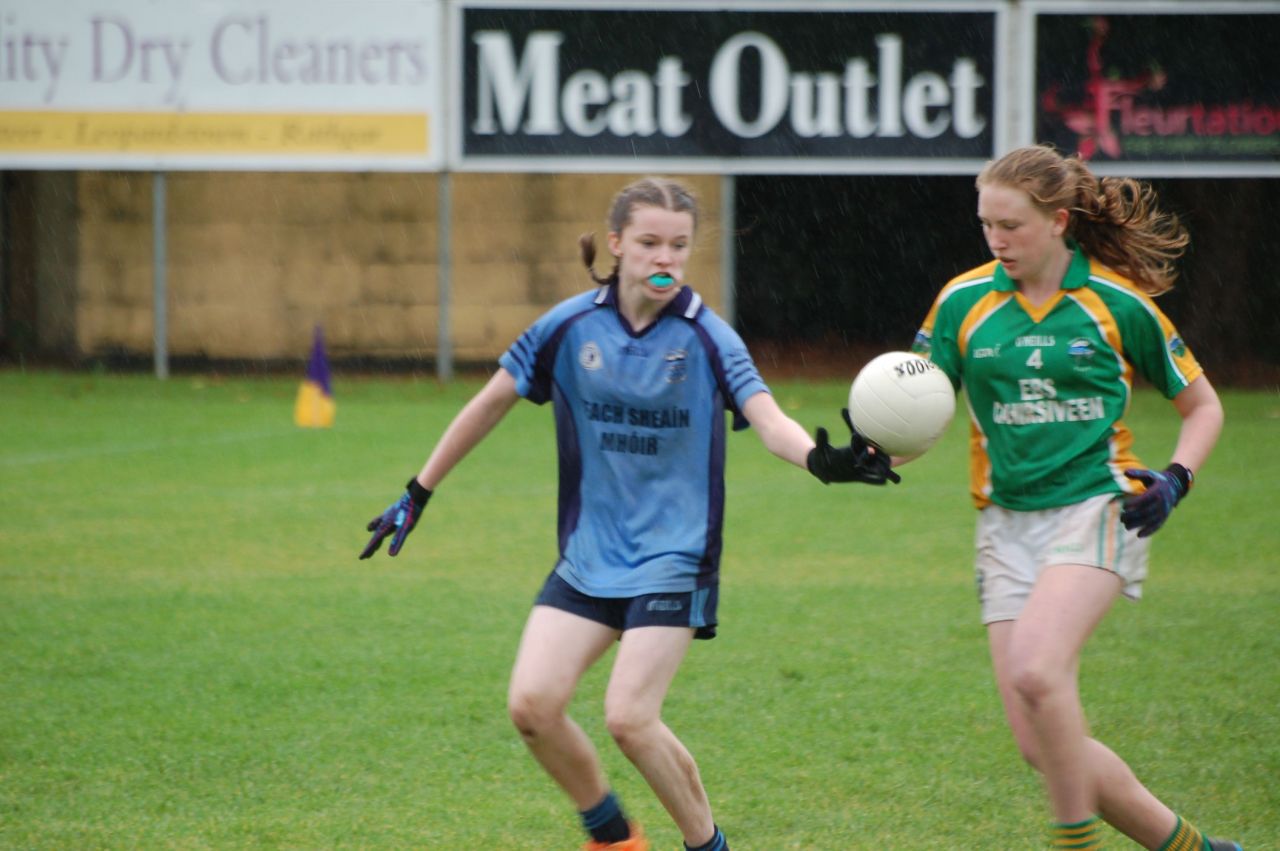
[
  {"x": 1081, "y": 352},
  {"x": 922, "y": 343},
  {"x": 677, "y": 365},
  {"x": 589, "y": 356},
  {"x": 1177, "y": 346}
]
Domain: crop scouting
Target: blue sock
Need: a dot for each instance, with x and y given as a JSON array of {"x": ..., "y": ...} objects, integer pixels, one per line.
[
  {"x": 717, "y": 843},
  {"x": 605, "y": 821}
]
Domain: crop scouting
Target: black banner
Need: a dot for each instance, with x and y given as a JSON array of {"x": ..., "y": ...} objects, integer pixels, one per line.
[
  {"x": 704, "y": 85},
  {"x": 1160, "y": 88}
]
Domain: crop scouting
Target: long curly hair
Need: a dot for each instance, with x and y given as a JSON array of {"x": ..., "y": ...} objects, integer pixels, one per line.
[
  {"x": 1116, "y": 220},
  {"x": 660, "y": 192}
]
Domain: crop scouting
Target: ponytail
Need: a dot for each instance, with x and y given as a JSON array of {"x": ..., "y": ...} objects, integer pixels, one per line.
[
  {"x": 587, "y": 247},
  {"x": 1124, "y": 228}
]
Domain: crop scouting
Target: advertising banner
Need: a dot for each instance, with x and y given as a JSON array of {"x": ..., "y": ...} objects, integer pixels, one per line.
[
  {"x": 272, "y": 84},
  {"x": 1163, "y": 90},
  {"x": 836, "y": 88}
]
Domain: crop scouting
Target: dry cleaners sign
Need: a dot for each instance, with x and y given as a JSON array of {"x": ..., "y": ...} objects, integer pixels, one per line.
[{"x": 771, "y": 90}]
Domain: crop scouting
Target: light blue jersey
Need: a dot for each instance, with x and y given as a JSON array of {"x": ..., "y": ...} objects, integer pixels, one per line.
[{"x": 640, "y": 430}]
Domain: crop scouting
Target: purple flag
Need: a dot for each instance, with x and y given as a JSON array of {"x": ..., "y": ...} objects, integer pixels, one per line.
[{"x": 318, "y": 365}]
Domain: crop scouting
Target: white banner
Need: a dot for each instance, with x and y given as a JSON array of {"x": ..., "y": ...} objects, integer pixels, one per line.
[{"x": 351, "y": 85}]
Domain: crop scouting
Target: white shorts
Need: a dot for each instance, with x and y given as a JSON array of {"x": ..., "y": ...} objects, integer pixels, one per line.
[{"x": 1014, "y": 548}]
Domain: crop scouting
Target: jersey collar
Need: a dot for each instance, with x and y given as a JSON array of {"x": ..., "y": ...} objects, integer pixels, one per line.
[{"x": 1077, "y": 271}]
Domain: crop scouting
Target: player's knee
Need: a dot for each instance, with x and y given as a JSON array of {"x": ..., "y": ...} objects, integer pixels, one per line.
[
  {"x": 1034, "y": 682},
  {"x": 627, "y": 727},
  {"x": 531, "y": 713}
]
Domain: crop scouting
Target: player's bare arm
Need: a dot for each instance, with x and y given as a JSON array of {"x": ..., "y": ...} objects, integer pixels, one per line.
[
  {"x": 471, "y": 425},
  {"x": 1202, "y": 419},
  {"x": 780, "y": 434}
]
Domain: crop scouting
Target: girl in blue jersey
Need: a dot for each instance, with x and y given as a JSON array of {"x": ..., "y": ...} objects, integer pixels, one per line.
[
  {"x": 1046, "y": 341},
  {"x": 640, "y": 374}
]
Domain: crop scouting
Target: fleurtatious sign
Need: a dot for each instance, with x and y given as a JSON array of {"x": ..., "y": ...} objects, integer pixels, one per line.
[{"x": 1175, "y": 89}]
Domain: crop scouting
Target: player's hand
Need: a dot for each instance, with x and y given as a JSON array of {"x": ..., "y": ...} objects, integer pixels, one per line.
[
  {"x": 399, "y": 518},
  {"x": 857, "y": 462},
  {"x": 1148, "y": 510}
]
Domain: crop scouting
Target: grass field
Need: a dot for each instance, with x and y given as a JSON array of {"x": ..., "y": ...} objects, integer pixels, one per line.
[{"x": 192, "y": 657}]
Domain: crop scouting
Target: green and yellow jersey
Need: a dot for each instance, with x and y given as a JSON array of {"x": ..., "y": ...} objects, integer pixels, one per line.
[{"x": 1048, "y": 386}]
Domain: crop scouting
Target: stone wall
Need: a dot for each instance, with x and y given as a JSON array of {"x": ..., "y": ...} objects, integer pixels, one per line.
[{"x": 256, "y": 260}]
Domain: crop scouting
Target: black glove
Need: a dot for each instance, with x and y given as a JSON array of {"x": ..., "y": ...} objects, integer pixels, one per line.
[
  {"x": 856, "y": 462},
  {"x": 400, "y": 517},
  {"x": 1148, "y": 510}
]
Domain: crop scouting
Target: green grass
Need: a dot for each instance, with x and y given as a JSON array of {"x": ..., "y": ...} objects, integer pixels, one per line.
[{"x": 192, "y": 657}]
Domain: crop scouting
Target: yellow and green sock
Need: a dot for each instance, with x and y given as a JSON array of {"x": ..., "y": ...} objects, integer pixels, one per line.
[
  {"x": 1080, "y": 836},
  {"x": 1185, "y": 837}
]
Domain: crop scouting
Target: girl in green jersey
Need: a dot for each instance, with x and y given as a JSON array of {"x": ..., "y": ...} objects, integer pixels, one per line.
[{"x": 1046, "y": 341}]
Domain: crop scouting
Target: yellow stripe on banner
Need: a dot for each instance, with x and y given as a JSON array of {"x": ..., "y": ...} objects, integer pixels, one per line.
[{"x": 213, "y": 133}]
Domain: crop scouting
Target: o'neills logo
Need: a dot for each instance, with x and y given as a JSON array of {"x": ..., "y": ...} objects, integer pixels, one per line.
[{"x": 1112, "y": 118}]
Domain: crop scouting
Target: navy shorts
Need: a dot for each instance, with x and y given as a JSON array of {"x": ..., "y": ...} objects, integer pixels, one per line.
[{"x": 696, "y": 609}]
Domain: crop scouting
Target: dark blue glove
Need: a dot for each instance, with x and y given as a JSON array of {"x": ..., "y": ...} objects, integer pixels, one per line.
[
  {"x": 400, "y": 517},
  {"x": 1148, "y": 510},
  {"x": 853, "y": 463}
]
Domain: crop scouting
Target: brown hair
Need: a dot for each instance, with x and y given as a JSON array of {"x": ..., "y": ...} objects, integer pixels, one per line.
[
  {"x": 660, "y": 192},
  {"x": 1114, "y": 219}
]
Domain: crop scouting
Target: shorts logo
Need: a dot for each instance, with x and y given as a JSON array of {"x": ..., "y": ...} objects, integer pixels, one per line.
[
  {"x": 677, "y": 365},
  {"x": 665, "y": 606},
  {"x": 1081, "y": 352},
  {"x": 589, "y": 356}
]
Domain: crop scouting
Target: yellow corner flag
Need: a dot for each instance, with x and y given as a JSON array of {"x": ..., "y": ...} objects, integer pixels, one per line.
[{"x": 315, "y": 406}]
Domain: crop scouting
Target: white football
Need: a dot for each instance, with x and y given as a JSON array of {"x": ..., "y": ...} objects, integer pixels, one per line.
[{"x": 901, "y": 403}]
